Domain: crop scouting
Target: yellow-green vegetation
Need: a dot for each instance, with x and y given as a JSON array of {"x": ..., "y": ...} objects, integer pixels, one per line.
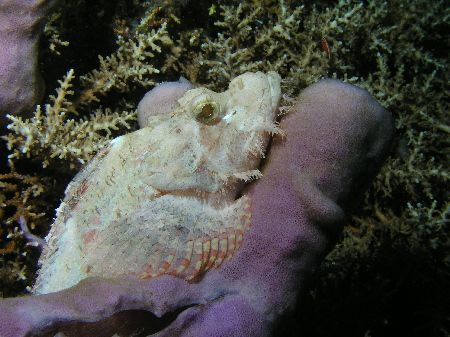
[
  {"x": 387, "y": 274},
  {"x": 54, "y": 134}
]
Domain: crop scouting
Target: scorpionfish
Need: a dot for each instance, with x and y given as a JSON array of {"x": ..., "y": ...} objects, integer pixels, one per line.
[{"x": 165, "y": 199}]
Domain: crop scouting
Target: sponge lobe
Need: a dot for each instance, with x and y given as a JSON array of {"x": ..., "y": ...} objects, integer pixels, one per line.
[{"x": 161, "y": 100}]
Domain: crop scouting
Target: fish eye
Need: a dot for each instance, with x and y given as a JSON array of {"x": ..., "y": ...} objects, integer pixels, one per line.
[{"x": 206, "y": 111}]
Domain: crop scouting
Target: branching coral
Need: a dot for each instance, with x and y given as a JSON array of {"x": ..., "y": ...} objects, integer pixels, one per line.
[
  {"x": 412, "y": 81},
  {"x": 268, "y": 35},
  {"x": 129, "y": 64},
  {"x": 19, "y": 191},
  {"x": 53, "y": 36},
  {"x": 20, "y": 196},
  {"x": 55, "y": 135},
  {"x": 275, "y": 35}
]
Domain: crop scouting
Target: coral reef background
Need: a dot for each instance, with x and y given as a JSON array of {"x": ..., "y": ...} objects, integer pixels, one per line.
[{"x": 389, "y": 273}]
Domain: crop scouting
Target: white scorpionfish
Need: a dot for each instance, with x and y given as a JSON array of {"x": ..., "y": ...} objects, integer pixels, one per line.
[{"x": 162, "y": 200}]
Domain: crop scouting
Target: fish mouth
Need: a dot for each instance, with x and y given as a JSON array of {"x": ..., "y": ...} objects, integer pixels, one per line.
[{"x": 217, "y": 200}]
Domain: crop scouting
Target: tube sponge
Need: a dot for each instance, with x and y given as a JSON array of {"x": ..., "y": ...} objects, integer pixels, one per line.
[
  {"x": 337, "y": 136},
  {"x": 21, "y": 85},
  {"x": 161, "y": 99}
]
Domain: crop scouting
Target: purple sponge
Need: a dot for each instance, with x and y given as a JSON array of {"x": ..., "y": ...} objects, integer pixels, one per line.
[
  {"x": 162, "y": 99},
  {"x": 21, "y": 85},
  {"x": 337, "y": 136}
]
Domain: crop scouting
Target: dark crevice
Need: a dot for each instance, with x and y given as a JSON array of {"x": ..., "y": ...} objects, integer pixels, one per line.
[{"x": 133, "y": 323}]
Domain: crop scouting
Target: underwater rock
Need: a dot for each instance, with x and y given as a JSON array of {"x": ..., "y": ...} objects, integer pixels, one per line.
[
  {"x": 21, "y": 85},
  {"x": 336, "y": 137}
]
